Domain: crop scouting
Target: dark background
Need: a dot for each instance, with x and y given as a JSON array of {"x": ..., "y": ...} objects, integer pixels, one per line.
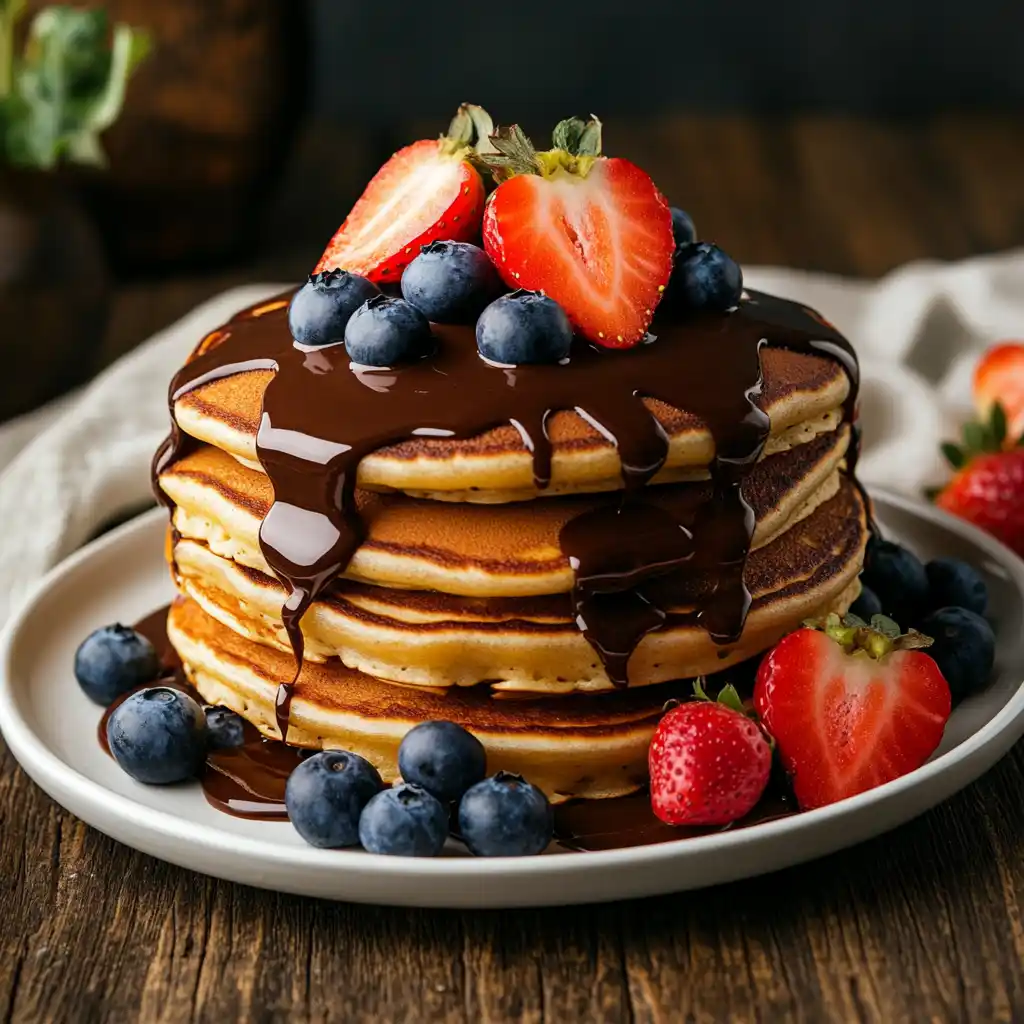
[
  {"x": 848, "y": 136},
  {"x": 546, "y": 59}
]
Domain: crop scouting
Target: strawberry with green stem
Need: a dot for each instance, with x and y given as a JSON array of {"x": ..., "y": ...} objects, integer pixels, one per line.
[
  {"x": 589, "y": 231},
  {"x": 987, "y": 488},
  {"x": 709, "y": 761},
  {"x": 850, "y": 705}
]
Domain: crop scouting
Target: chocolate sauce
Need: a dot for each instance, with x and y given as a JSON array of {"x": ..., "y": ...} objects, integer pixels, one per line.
[
  {"x": 249, "y": 781},
  {"x": 246, "y": 781},
  {"x": 588, "y": 825},
  {"x": 322, "y": 415}
]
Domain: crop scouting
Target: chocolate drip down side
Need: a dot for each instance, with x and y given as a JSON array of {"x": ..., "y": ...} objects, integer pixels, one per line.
[{"x": 322, "y": 415}]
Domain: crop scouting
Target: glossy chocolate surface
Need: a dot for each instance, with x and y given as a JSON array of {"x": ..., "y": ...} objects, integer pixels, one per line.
[{"x": 322, "y": 415}]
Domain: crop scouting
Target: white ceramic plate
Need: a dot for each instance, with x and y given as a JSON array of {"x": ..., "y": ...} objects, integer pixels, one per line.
[{"x": 51, "y": 729}]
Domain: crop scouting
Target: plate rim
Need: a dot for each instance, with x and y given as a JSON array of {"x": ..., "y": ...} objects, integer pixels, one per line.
[{"x": 51, "y": 772}]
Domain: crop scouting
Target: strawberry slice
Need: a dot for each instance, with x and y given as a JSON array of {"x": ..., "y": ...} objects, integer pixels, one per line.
[
  {"x": 426, "y": 192},
  {"x": 591, "y": 232},
  {"x": 850, "y": 706}
]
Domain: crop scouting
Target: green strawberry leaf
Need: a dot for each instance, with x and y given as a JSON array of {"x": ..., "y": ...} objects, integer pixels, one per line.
[
  {"x": 567, "y": 134},
  {"x": 513, "y": 154},
  {"x": 997, "y": 424},
  {"x": 975, "y": 437},
  {"x": 731, "y": 699},
  {"x": 954, "y": 455},
  {"x": 590, "y": 140},
  {"x": 885, "y": 625}
]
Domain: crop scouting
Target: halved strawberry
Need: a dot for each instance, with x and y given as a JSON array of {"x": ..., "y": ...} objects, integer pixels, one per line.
[
  {"x": 999, "y": 377},
  {"x": 850, "y": 706},
  {"x": 591, "y": 232},
  {"x": 426, "y": 192}
]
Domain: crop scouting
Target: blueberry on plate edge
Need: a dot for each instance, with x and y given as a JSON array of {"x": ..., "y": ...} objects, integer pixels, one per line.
[
  {"x": 326, "y": 794},
  {"x": 898, "y": 577},
  {"x": 224, "y": 728},
  {"x": 442, "y": 758},
  {"x": 158, "y": 736},
  {"x": 964, "y": 648},
  {"x": 954, "y": 583},
  {"x": 112, "y": 660},
  {"x": 505, "y": 816},
  {"x": 405, "y": 821}
]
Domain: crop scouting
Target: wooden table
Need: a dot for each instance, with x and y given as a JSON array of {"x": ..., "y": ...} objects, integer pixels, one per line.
[{"x": 924, "y": 924}]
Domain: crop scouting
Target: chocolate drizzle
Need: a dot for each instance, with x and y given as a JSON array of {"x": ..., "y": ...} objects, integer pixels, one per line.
[
  {"x": 246, "y": 781},
  {"x": 249, "y": 781},
  {"x": 322, "y": 415}
]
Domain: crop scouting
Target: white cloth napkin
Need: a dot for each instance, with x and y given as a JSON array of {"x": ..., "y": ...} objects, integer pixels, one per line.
[{"x": 76, "y": 464}]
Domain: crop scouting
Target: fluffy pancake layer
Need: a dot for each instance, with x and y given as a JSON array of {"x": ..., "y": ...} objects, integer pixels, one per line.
[
  {"x": 592, "y": 747},
  {"x": 427, "y": 638},
  {"x": 799, "y": 391},
  {"x": 508, "y": 550}
]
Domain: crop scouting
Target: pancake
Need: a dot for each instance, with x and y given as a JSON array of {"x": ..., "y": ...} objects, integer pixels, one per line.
[
  {"x": 801, "y": 394},
  {"x": 478, "y": 550},
  {"x": 425, "y": 638},
  {"x": 591, "y": 747}
]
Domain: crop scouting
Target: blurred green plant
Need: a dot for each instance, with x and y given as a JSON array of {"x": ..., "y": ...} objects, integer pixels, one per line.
[{"x": 68, "y": 85}]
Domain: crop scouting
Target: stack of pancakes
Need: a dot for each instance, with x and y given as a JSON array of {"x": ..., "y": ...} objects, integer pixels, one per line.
[{"x": 457, "y": 603}]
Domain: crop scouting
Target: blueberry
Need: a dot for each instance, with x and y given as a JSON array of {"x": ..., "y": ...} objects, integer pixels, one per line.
[
  {"x": 386, "y": 331},
  {"x": 113, "y": 660},
  {"x": 897, "y": 576},
  {"x": 705, "y": 277},
  {"x": 867, "y": 604},
  {"x": 224, "y": 728},
  {"x": 321, "y": 308},
  {"x": 326, "y": 794},
  {"x": 964, "y": 648},
  {"x": 683, "y": 230},
  {"x": 504, "y": 816},
  {"x": 405, "y": 822},
  {"x": 158, "y": 735},
  {"x": 451, "y": 282},
  {"x": 955, "y": 583},
  {"x": 443, "y": 758},
  {"x": 524, "y": 327}
]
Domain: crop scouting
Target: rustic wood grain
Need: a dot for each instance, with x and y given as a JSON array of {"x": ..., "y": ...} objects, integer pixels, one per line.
[{"x": 924, "y": 924}]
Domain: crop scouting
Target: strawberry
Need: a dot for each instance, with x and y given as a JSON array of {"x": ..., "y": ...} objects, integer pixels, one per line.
[
  {"x": 850, "y": 706},
  {"x": 988, "y": 486},
  {"x": 426, "y": 192},
  {"x": 999, "y": 376},
  {"x": 589, "y": 231},
  {"x": 709, "y": 762}
]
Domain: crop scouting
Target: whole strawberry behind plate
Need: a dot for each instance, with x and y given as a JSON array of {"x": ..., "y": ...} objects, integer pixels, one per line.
[{"x": 50, "y": 727}]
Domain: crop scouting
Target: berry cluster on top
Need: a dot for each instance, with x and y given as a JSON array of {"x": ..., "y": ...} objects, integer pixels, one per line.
[{"x": 586, "y": 243}]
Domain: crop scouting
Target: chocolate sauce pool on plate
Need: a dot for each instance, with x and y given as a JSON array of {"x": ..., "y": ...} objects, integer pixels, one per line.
[
  {"x": 322, "y": 415},
  {"x": 246, "y": 781},
  {"x": 249, "y": 781}
]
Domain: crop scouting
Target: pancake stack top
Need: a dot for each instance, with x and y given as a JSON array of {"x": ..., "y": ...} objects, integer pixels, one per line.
[{"x": 618, "y": 520}]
